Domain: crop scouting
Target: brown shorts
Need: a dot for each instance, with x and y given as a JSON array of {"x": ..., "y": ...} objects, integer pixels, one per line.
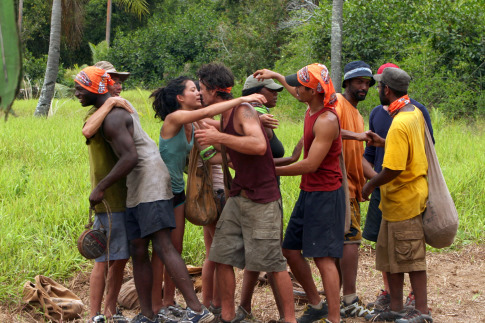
[
  {"x": 248, "y": 235},
  {"x": 354, "y": 235},
  {"x": 400, "y": 246}
]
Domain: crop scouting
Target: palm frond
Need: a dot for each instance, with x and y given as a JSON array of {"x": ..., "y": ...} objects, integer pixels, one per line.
[{"x": 138, "y": 7}]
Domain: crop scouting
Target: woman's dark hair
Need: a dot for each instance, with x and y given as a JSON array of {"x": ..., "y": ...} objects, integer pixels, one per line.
[
  {"x": 217, "y": 76},
  {"x": 252, "y": 90},
  {"x": 165, "y": 98}
]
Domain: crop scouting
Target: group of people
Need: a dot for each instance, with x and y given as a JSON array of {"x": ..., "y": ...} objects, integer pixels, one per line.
[{"x": 144, "y": 187}]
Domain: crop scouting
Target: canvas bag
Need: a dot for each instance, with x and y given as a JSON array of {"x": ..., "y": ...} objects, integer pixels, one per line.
[
  {"x": 56, "y": 301},
  {"x": 200, "y": 206},
  {"x": 345, "y": 185},
  {"x": 440, "y": 219}
]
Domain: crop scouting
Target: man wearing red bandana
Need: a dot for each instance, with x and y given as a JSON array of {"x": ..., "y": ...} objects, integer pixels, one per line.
[
  {"x": 404, "y": 190},
  {"x": 248, "y": 232},
  {"x": 316, "y": 226}
]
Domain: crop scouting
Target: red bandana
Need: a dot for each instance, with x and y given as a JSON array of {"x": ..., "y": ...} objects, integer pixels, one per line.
[
  {"x": 396, "y": 106},
  {"x": 226, "y": 90}
]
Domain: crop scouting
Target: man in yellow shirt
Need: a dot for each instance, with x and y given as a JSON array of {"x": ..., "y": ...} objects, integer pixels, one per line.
[
  {"x": 357, "y": 80},
  {"x": 404, "y": 190}
]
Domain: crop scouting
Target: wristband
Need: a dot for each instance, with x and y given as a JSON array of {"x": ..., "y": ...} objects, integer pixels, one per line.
[{"x": 208, "y": 153}]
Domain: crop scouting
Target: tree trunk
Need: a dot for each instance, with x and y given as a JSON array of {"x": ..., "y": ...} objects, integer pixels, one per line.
[
  {"x": 21, "y": 12},
  {"x": 52, "y": 68},
  {"x": 108, "y": 22},
  {"x": 336, "y": 51}
]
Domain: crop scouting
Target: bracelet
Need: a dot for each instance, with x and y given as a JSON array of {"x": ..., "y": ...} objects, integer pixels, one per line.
[{"x": 208, "y": 153}]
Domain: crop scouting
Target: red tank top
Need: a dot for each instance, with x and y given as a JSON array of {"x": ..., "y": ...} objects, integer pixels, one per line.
[
  {"x": 255, "y": 174},
  {"x": 328, "y": 176}
]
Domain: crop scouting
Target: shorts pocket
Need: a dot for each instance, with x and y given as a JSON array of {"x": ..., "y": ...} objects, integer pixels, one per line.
[
  {"x": 409, "y": 246},
  {"x": 219, "y": 224},
  {"x": 261, "y": 234}
]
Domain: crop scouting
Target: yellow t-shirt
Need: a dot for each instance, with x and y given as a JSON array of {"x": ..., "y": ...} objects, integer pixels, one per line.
[{"x": 405, "y": 196}]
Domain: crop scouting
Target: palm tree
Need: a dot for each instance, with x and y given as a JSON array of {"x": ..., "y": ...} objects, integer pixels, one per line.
[
  {"x": 52, "y": 68},
  {"x": 138, "y": 7},
  {"x": 336, "y": 44}
]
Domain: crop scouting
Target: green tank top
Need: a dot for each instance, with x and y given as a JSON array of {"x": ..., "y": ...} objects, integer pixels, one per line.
[{"x": 101, "y": 160}]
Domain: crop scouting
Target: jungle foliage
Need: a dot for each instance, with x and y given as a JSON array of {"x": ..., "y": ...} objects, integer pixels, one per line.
[{"x": 440, "y": 43}]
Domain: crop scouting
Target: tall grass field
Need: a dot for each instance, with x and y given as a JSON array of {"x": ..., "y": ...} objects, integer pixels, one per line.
[{"x": 44, "y": 186}]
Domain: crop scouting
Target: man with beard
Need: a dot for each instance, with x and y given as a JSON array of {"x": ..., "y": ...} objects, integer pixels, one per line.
[
  {"x": 404, "y": 190},
  {"x": 357, "y": 80}
]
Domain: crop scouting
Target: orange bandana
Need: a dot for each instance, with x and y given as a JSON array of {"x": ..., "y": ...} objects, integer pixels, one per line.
[
  {"x": 94, "y": 80},
  {"x": 395, "y": 106},
  {"x": 316, "y": 76}
]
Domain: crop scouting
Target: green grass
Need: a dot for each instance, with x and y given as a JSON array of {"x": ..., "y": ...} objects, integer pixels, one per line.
[{"x": 44, "y": 186}]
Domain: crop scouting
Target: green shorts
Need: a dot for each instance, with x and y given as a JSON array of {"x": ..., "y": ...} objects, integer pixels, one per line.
[{"x": 248, "y": 235}]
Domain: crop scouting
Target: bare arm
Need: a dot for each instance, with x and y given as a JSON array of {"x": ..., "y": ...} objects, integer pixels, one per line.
[
  {"x": 176, "y": 119},
  {"x": 118, "y": 129},
  {"x": 252, "y": 141},
  {"x": 384, "y": 177},
  {"x": 375, "y": 139},
  {"x": 326, "y": 129},
  {"x": 293, "y": 158},
  {"x": 350, "y": 135},
  {"x": 268, "y": 74},
  {"x": 369, "y": 171},
  {"x": 95, "y": 121}
]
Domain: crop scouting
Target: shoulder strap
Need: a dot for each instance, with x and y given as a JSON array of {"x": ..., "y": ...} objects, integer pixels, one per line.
[{"x": 225, "y": 168}]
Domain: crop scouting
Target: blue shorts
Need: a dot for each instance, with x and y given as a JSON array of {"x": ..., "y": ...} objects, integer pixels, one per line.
[
  {"x": 147, "y": 218},
  {"x": 373, "y": 218},
  {"x": 317, "y": 224},
  {"x": 118, "y": 242}
]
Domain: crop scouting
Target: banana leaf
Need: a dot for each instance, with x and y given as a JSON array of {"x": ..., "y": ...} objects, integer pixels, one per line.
[{"x": 10, "y": 57}]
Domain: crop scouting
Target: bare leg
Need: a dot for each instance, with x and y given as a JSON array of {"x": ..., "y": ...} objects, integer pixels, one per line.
[
  {"x": 175, "y": 267},
  {"x": 330, "y": 277},
  {"x": 348, "y": 268},
  {"x": 386, "y": 282},
  {"x": 177, "y": 236},
  {"x": 277, "y": 295},
  {"x": 227, "y": 286},
  {"x": 96, "y": 288},
  {"x": 395, "y": 288},
  {"x": 157, "y": 288},
  {"x": 418, "y": 283},
  {"x": 300, "y": 268},
  {"x": 142, "y": 272},
  {"x": 285, "y": 291},
  {"x": 250, "y": 279},
  {"x": 209, "y": 292},
  {"x": 115, "y": 279}
]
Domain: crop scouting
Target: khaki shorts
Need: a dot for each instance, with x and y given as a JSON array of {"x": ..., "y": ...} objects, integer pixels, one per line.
[
  {"x": 248, "y": 235},
  {"x": 354, "y": 235},
  {"x": 400, "y": 246}
]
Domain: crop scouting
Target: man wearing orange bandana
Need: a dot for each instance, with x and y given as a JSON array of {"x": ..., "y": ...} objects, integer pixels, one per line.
[
  {"x": 357, "y": 80},
  {"x": 94, "y": 82},
  {"x": 149, "y": 211},
  {"x": 316, "y": 226},
  {"x": 404, "y": 190}
]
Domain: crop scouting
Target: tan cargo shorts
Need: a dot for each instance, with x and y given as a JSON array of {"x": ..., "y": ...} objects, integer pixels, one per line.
[
  {"x": 248, "y": 235},
  {"x": 401, "y": 247}
]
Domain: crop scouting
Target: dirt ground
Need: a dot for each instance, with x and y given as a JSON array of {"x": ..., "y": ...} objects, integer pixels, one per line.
[{"x": 456, "y": 289}]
